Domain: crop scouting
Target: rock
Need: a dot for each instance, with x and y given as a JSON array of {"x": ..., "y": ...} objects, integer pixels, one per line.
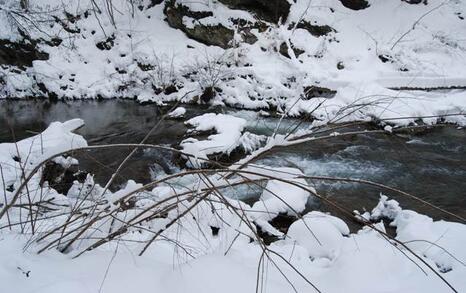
[
  {"x": 217, "y": 35},
  {"x": 283, "y": 221},
  {"x": 385, "y": 58},
  {"x": 266, "y": 237},
  {"x": 178, "y": 10},
  {"x": 2, "y": 82},
  {"x": 245, "y": 27},
  {"x": 20, "y": 53},
  {"x": 268, "y": 10},
  {"x": 313, "y": 29},
  {"x": 61, "y": 178},
  {"x": 340, "y": 65},
  {"x": 208, "y": 94},
  {"x": 145, "y": 66},
  {"x": 415, "y": 1},
  {"x": 106, "y": 44},
  {"x": 249, "y": 38},
  {"x": 67, "y": 23},
  {"x": 50, "y": 94},
  {"x": 170, "y": 89},
  {"x": 355, "y": 4},
  {"x": 284, "y": 50},
  {"x": 317, "y": 91},
  {"x": 152, "y": 3}
]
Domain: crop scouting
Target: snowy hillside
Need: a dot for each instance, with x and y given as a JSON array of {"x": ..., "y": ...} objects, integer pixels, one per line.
[{"x": 256, "y": 54}]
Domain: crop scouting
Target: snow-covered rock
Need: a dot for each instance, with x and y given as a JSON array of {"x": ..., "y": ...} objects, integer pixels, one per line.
[
  {"x": 227, "y": 138},
  {"x": 320, "y": 234},
  {"x": 280, "y": 197},
  {"x": 179, "y": 112},
  {"x": 25, "y": 155}
]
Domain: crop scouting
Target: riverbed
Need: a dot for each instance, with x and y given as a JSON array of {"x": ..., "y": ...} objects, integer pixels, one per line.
[{"x": 431, "y": 164}]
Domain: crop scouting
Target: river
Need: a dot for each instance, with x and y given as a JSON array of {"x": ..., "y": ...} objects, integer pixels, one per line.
[{"x": 431, "y": 165}]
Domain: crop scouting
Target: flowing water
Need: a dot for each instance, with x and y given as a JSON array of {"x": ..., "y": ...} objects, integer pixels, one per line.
[{"x": 431, "y": 165}]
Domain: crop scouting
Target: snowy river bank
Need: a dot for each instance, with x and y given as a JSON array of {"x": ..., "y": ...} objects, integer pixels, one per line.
[{"x": 216, "y": 240}]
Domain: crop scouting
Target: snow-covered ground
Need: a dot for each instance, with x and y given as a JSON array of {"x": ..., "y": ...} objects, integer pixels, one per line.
[
  {"x": 360, "y": 262},
  {"x": 317, "y": 253}
]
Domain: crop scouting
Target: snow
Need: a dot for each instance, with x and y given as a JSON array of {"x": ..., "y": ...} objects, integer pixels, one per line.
[
  {"x": 87, "y": 189},
  {"x": 20, "y": 158},
  {"x": 318, "y": 245},
  {"x": 385, "y": 209},
  {"x": 320, "y": 234},
  {"x": 438, "y": 241},
  {"x": 179, "y": 112},
  {"x": 256, "y": 76},
  {"x": 281, "y": 197},
  {"x": 146, "y": 58},
  {"x": 397, "y": 107},
  {"x": 227, "y": 138},
  {"x": 424, "y": 235},
  {"x": 357, "y": 262}
]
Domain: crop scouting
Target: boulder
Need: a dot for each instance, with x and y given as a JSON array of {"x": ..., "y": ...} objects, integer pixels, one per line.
[
  {"x": 61, "y": 177},
  {"x": 268, "y": 10},
  {"x": 284, "y": 50},
  {"x": 216, "y": 35},
  {"x": 355, "y": 4},
  {"x": 314, "y": 29},
  {"x": 153, "y": 3},
  {"x": 318, "y": 92},
  {"x": 245, "y": 29},
  {"x": 415, "y": 1},
  {"x": 20, "y": 53}
]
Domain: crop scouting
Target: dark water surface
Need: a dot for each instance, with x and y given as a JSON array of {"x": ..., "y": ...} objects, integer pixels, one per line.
[
  {"x": 106, "y": 122},
  {"x": 431, "y": 165}
]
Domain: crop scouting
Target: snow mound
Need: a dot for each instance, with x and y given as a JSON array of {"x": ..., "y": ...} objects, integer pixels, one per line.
[
  {"x": 320, "y": 234},
  {"x": 439, "y": 241},
  {"x": 25, "y": 155},
  {"x": 386, "y": 208},
  {"x": 177, "y": 113},
  {"x": 227, "y": 138},
  {"x": 281, "y": 197}
]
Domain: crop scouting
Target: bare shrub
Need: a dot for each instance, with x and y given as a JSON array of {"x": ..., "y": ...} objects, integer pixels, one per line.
[{"x": 209, "y": 72}]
